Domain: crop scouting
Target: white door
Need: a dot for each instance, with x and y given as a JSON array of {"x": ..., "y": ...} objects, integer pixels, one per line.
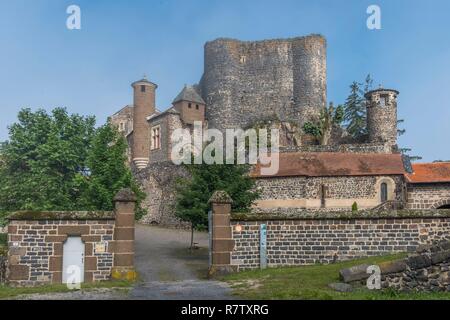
[{"x": 73, "y": 261}]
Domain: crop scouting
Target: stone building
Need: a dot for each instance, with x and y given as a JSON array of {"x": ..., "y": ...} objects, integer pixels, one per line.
[
  {"x": 279, "y": 83},
  {"x": 429, "y": 186},
  {"x": 332, "y": 181}
]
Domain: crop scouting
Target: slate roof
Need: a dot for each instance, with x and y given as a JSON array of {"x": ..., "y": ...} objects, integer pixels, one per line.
[
  {"x": 430, "y": 172},
  {"x": 328, "y": 164},
  {"x": 189, "y": 94}
]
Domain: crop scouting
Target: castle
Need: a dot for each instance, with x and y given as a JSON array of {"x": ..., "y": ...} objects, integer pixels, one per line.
[{"x": 281, "y": 83}]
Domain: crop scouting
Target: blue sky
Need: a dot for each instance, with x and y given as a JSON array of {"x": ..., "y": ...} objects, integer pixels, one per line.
[{"x": 89, "y": 71}]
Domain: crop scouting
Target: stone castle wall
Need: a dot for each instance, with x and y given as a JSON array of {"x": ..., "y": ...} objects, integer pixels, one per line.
[
  {"x": 245, "y": 82},
  {"x": 340, "y": 192},
  {"x": 349, "y": 148},
  {"x": 299, "y": 240},
  {"x": 428, "y": 196},
  {"x": 159, "y": 181}
]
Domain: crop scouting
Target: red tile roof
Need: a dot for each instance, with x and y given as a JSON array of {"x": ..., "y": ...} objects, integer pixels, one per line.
[
  {"x": 430, "y": 172},
  {"x": 324, "y": 164}
]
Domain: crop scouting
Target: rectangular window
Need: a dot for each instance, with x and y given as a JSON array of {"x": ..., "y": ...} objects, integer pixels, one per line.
[
  {"x": 383, "y": 100},
  {"x": 142, "y": 88},
  {"x": 323, "y": 195},
  {"x": 156, "y": 138}
]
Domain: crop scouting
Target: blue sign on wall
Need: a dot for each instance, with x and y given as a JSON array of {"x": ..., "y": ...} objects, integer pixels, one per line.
[{"x": 263, "y": 246}]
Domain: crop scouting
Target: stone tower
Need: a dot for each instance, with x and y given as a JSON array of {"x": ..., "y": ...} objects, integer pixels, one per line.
[
  {"x": 245, "y": 82},
  {"x": 190, "y": 105},
  {"x": 144, "y": 106},
  {"x": 382, "y": 116}
]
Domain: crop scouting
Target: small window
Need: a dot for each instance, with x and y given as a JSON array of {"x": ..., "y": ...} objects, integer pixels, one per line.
[
  {"x": 384, "y": 192},
  {"x": 197, "y": 107},
  {"x": 190, "y": 105},
  {"x": 142, "y": 88},
  {"x": 156, "y": 138},
  {"x": 323, "y": 195},
  {"x": 122, "y": 126},
  {"x": 383, "y": 100}
]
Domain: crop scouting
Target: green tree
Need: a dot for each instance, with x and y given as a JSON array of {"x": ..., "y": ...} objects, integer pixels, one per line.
[
  {"x": 108, "y": 171},
  {"x": 43, "y": 160},
  {"x": 321, "y": 129},
  {"x": 194, "y": 193},
  {"x": 59, "y": 161},
  {"x": 355, "y": 111}
]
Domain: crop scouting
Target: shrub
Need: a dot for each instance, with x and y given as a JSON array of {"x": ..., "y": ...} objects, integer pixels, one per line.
[
  {"x": 354, "y": 207},
  {"x": 3, "y": 239}
]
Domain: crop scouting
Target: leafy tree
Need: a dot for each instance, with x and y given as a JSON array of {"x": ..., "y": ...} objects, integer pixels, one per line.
[
  {"x": 108, "y": 171},
  {"x": 43, "y": 159},
  {"x": 355, "y": 111},
  {"x": 329, "y": 117},
  {"x": 59, "y": 161},
  {"x": 194, "y": 193}
]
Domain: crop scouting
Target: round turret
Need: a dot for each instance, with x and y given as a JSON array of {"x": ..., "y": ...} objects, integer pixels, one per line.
[
  {"x": 382, "y": 116},
  {"x": 144, "y": 106}
]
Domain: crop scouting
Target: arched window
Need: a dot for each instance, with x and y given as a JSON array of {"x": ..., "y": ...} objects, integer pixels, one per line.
[{"x": 384, "y": 192}]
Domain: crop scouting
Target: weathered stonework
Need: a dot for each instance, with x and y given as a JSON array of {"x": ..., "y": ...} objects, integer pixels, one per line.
[
  {"x": 428, "y": 270},
  {"x": 334, "y": 237},
  {"x": 340, "y": 192},
  {"x": 428, "y": 196},
  {"x": 349, "y": 148},
  {"x": 36, "y": 243},
  {"x": 36, "y": 249},
  {"x": 158, "y": 181},
  {"x": 382, "y": 117},
  {"x": 245, "y": 82},
  {"x": 3, "y": 267},
  {"x": 123, "y": 120}
]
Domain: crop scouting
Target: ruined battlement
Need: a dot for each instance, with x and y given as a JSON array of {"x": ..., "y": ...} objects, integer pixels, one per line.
[{"x": 246, "y": 81}]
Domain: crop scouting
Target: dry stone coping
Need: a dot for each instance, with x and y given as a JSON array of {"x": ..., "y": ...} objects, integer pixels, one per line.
[
  {"x": 125, "y": 195},
  {"x": 62, "y": 215},
  {"x": 432, "y": 255},
  {"x": 220, "y": 197},
  {"x": 344, "y": 215}
]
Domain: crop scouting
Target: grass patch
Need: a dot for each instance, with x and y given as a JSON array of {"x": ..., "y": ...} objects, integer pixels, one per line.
[
  {"x": 10, "y": 292},
  {"x": 311, "y": 283}
]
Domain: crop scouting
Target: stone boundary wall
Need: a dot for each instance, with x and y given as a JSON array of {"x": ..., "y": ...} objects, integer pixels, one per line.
[
  {"x": 3, "y": 268},
  {"x": 426, "y": 270},
  {"x": 36, "y": 243},
  {"x": 348, "y": 148},
  {"x": 310, "y": 238},
  {"x": 428, "y": 195}
]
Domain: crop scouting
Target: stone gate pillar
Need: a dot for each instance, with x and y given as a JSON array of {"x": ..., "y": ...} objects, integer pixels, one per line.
[
  {"x": 222, "y": 243},
  {"x": 123, "y": 244}
]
